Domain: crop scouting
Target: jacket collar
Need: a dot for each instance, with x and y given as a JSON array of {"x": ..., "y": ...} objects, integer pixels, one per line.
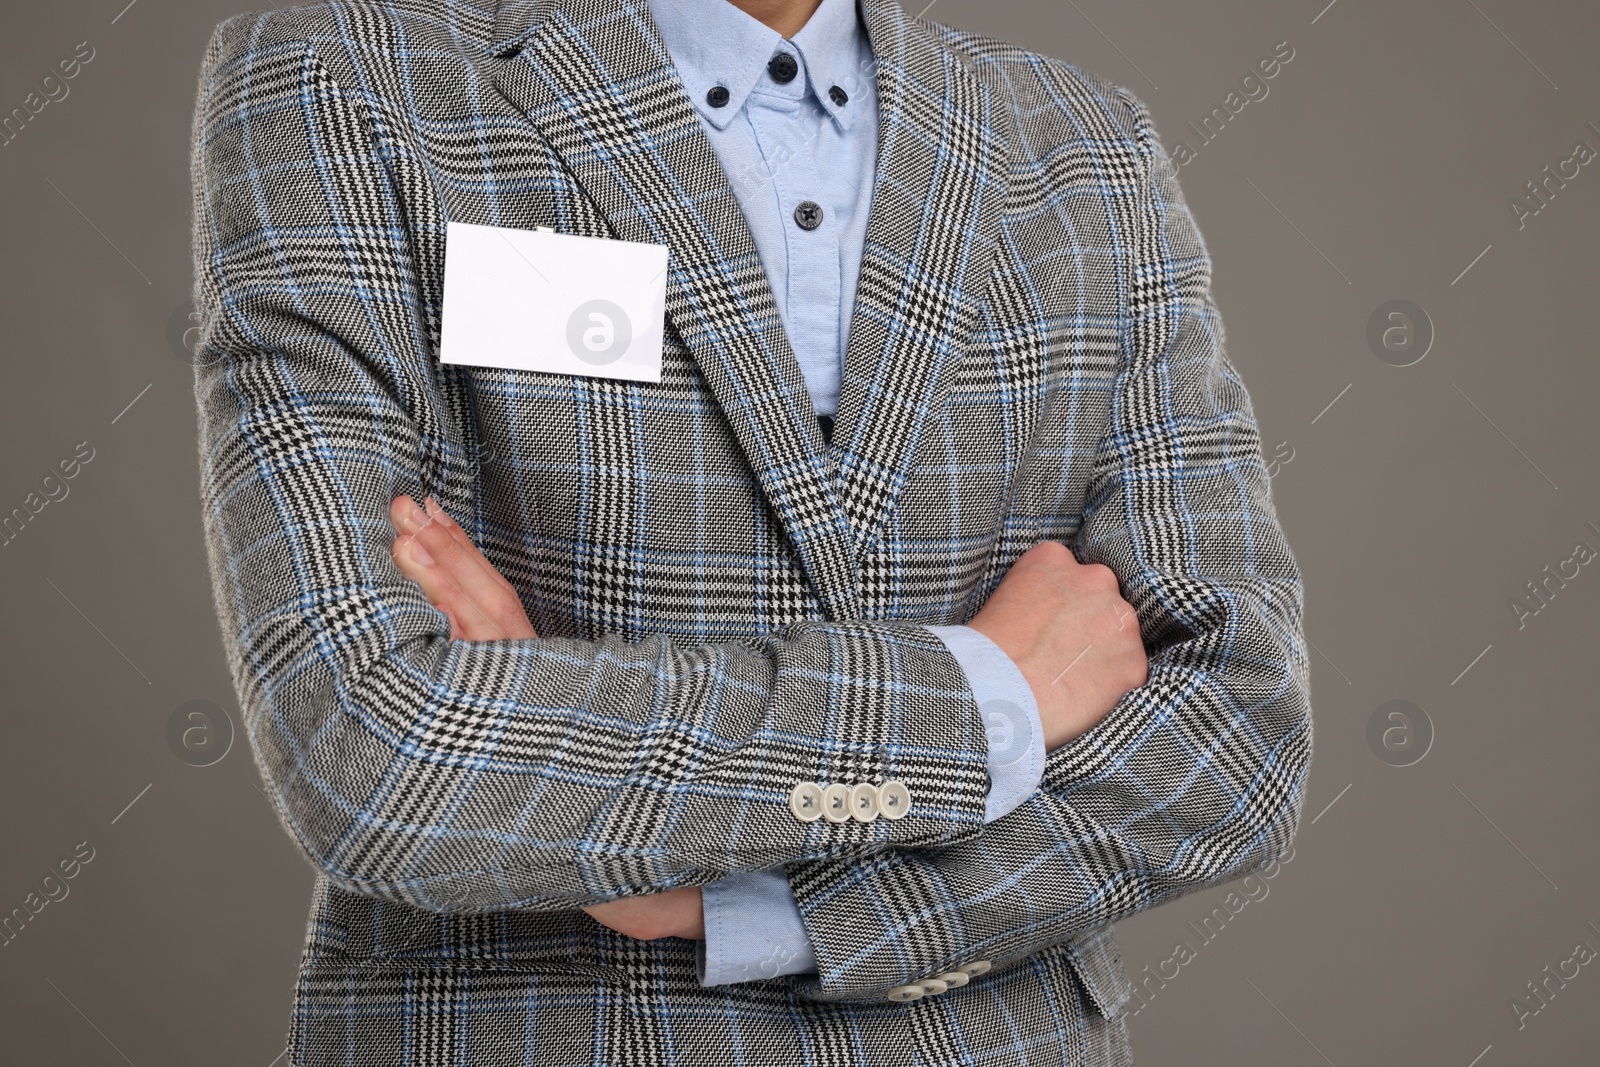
[{"x": 596, "y": 79}]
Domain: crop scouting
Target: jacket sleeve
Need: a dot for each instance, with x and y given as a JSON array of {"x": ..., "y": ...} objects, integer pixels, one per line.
[
  {"x": 472, "y": 776},
  {"x": 1193, "y": 779},
  {"x": 753, "y": 926}
]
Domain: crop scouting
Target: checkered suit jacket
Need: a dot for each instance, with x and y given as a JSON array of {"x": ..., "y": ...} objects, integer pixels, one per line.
[{"x": 727, "y": 605}]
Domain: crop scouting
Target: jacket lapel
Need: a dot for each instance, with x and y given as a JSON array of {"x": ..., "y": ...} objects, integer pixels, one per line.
[
  {"x": 932, "y": 236},
  {"x": 595, "y": 78}
]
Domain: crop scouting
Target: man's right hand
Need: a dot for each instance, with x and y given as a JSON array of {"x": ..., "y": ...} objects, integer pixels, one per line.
[{"x": 1068, "y": 630}]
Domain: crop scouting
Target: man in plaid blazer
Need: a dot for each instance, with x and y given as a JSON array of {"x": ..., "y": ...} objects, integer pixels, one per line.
[{"x": 714, "y": 607}]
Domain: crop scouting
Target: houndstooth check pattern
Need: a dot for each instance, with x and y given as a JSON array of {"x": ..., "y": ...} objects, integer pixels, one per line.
[{"x": 727, "y": 604}]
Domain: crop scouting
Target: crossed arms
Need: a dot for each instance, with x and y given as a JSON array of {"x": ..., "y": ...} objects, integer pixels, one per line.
[
  {"x": 554, "y": 773},
  {"x": 1048, "y": 610}
]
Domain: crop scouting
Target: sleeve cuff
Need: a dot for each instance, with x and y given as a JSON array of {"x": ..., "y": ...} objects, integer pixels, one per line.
[
  {"x": 1010, "y": 716},
  {"x": 753, "y": 930}
]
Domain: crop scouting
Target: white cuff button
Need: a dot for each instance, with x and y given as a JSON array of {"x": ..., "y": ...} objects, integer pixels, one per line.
[
  {"x": 805, "y": 801},
  {"x": 894, "y": 800},
  {"x": 864, "y": 802},
  {"x": 933, "y": 985},
  {"x": 836, "y": 802}
]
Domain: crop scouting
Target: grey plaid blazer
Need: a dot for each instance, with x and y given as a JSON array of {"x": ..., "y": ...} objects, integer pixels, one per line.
[{"x": 727, "y": 604}]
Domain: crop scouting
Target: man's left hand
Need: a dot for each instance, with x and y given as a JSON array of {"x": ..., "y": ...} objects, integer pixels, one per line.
[{"x": 433, "y": 551}]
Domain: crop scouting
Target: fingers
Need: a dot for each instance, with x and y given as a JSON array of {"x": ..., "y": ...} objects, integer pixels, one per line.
[
  {"x": 468, "y": 621},
  {"x": 629, "y": 916},
  {"x": 441, "y": 516},
  {"x": 488, "y": 593},
  {"x": 673, "y": 913},
  {"x": 433, "y": 551}
]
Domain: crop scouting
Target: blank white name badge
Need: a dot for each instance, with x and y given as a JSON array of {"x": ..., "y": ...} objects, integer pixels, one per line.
[{"x": 542, "y": 301}]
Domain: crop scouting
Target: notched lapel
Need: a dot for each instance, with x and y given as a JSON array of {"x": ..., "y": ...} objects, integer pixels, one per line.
[
  {"x": 596, "y": 79},
  {"x": 932, "y": 236}
]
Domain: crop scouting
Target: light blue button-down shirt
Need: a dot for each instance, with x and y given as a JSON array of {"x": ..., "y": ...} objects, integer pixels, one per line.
[{"x": 814, "y": 139}]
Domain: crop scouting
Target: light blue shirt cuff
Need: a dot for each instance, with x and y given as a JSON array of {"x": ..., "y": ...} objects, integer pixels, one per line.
[
  {"x": 753, "y": 930},
  {"x": 1010, "y": 715}
]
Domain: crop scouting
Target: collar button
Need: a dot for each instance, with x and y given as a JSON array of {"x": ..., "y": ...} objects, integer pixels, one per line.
[
  {"x": 717, "y": 96},
  {"x": 838, "y": 96},
  {"x": 783, "y": 68}
]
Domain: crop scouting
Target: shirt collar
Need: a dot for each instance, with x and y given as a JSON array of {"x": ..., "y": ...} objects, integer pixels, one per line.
[{"x": 713, "y": 43}]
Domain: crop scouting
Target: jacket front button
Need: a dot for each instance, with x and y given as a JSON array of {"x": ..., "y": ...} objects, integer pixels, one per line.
[
  {"x": 894, "y": 800},
  {"x": 836, "y": 802},
  {"x": 975, "y": 968},
  {"x": 906, "y": 993},
  {"x": 864, "y": 802},
  {"x": 805, "y": 801}
]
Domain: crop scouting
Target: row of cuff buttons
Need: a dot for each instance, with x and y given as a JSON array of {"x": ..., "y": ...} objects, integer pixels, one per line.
[
  {"x": 810, "y": 801},
  {"x": 931, "y": 987}
]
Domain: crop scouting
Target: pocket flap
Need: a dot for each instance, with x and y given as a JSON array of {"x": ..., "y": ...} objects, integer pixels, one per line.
[{"x": 1098, "y": 960}]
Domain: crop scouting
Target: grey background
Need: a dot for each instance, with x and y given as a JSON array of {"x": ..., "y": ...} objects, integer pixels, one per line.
[{"x": 1419, "y": 899}]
